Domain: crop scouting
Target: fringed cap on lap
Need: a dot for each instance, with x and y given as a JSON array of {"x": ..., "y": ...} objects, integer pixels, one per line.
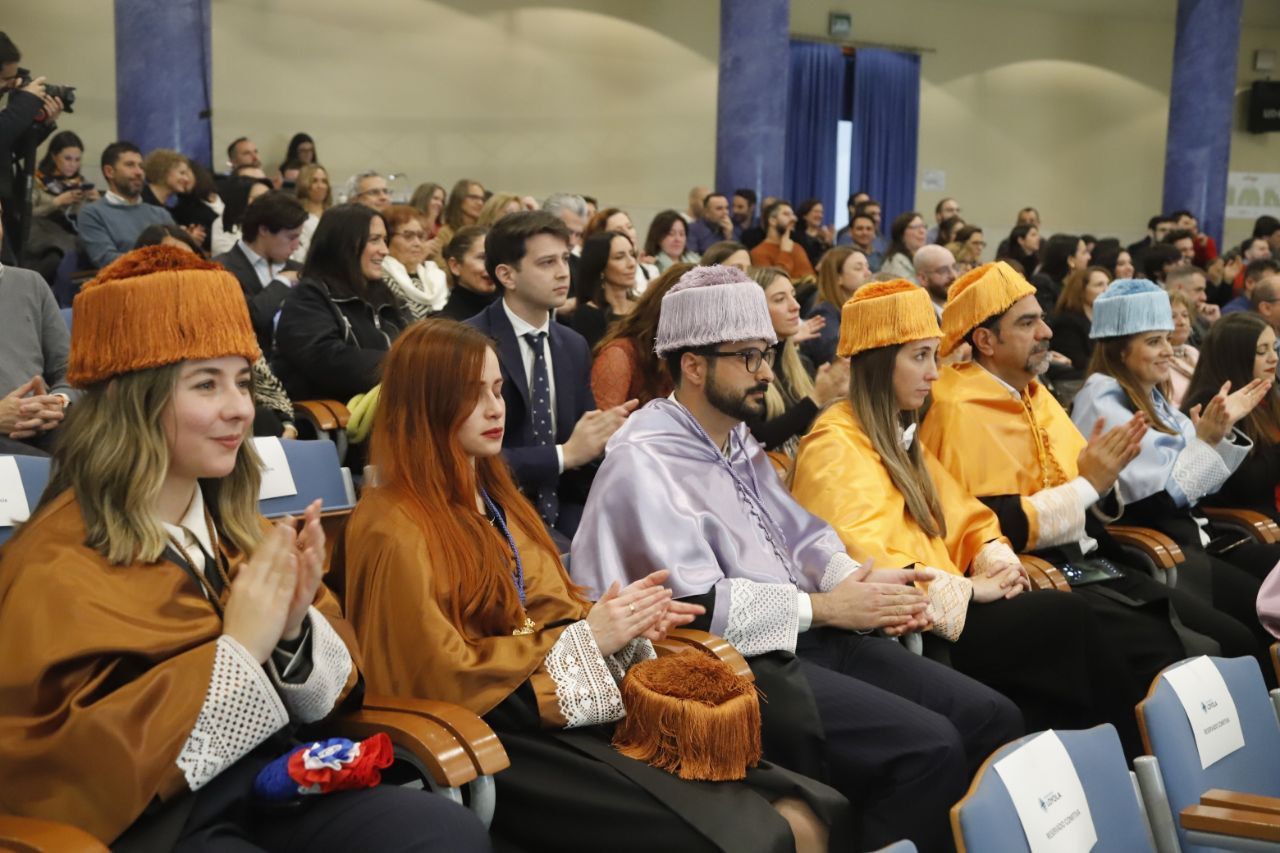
[
  {"x": 1130, "y": 306},
  {"x": 976, "y": 297},
  {"x": 885, "y": 313},
  {"x": 156, "y": 306},
  {"x": 690, "y": 715},
  {"x": 712, "y": 305}
]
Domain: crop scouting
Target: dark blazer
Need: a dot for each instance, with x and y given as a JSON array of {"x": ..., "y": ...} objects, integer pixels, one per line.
[
  {"x": 533, "y": 466},
  {"x": 264, "y": 302}
]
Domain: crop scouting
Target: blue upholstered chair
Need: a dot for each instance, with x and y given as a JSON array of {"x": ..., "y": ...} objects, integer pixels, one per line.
[
  {"x": 318, "y": 474},
  {"x": 1229, "y": 804},
  {"x": 34, "y": 471},
  {"x": 985, "y": 820}
]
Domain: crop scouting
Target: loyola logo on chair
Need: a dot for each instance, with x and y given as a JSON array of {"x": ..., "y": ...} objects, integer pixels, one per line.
[{"x": 1048, "y": 800}]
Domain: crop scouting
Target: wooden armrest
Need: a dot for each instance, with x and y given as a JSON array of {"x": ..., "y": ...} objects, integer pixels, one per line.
[
  {"x": 1159, "y": 548},
  {"x": 431, "y": 743},
  {"x": 481, "y": 744},
  {"x": 709, "y": 644},
  {"x": 1043, "y": 574},
  {"x": 1260, "y": 527},
  {"x": 316, "y": 413},
  {"x": 1275, "y": 658},
  {"x": 1240, "y": 800},
  {"x": 1238, "y": 823},
  {"x": 32, "y": 835}
]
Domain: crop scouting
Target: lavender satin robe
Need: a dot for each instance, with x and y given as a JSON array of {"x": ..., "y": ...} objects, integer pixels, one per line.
[{"x": 665, "y": 499}]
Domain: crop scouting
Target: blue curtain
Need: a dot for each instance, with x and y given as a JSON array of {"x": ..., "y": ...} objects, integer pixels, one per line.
[
  {"x": 886, "y": 128},
  {"x": 815, "y": 96}
]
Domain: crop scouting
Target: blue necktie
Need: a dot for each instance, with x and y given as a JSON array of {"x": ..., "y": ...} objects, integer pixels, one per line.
[{"x": 540, "y": 410}]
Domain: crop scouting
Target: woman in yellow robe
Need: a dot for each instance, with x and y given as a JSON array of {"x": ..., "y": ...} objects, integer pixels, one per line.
[
  {"x": 456, "y": 592},
  {"x": 861, "y": 470}
]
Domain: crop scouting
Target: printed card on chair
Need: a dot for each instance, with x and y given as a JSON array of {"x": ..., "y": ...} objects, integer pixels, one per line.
[
  {"x": 277, "y": 478},
  {"x": 1209, "y": 708},
  {"x": 1048, "y": 797},
  {"x": 13, "y": 499}
]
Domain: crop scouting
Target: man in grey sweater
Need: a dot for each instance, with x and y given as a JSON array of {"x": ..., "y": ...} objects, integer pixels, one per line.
[
  {"x": 33, "y": 363},
  {"x": 110, "y": 226}
]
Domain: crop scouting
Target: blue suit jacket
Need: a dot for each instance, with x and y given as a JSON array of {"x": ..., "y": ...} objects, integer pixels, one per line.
[{"x": 571, "y": 365}]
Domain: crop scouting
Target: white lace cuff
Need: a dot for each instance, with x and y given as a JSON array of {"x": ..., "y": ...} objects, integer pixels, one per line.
[
  {"x": 949, "y": 597},
  {"x": 1201, "y": 470},
  {"x": 994, "y": 557},
  {"x": 1059, "y": 516},
  {"x": 585, "y": 690},
  {"x": 241, "y": 709},
  {"x": 639, "y": 649},
  {"x": 763, "y": 617},
  {"x": 314, "y": 698},
  {"x": 839, "y": 567}
]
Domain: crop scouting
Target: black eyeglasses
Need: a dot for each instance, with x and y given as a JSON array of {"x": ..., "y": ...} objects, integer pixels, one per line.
[{"x": 751, "y": 357}]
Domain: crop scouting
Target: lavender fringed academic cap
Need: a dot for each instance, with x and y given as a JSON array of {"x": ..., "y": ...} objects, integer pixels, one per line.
[{"x": 712, "y": 305}]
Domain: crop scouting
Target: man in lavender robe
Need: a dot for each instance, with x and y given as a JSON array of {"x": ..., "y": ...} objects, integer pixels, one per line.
[{"x": 685, "y": 487}]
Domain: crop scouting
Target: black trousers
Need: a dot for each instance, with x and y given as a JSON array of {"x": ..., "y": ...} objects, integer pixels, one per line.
[{"x": 903, "y": 733}]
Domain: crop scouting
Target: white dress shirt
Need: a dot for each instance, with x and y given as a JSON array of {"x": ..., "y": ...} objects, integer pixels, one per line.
[
  {"x": 267, "y": 271},
  {"x": 522, "y": 328}
]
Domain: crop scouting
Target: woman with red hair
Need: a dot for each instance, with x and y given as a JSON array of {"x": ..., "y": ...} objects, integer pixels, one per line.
[{"x": 457, "y": 593}]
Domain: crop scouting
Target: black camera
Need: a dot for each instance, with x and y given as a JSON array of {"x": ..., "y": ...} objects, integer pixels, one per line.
[{"x": 67, "y": 94}]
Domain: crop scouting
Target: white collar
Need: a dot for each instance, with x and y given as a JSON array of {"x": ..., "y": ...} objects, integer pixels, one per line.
[
  {"x": 1017, "y": 395},
  {"x": 193, "y": 523},
  {"x": 521, "y": 327},
  {"x": 254, "y": 257},
  {"x": 120, "y": 201},
  {"x": 908, "y": 436}
]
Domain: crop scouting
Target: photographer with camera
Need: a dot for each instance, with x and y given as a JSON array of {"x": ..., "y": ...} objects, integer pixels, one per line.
[{"x": 27, "y": 118}]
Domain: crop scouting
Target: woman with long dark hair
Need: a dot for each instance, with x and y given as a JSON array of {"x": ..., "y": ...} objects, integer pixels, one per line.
[
  {"x": 908, "y": 234},
  {"x": 1062, "y": 254},
  {"x": 668, "y": 240},
  {"x": 606, "y": 280},
  {"x": 339, "y": 321},
  {"x": 1023, "y": 246},
  {"x": 625, "y": 367}
]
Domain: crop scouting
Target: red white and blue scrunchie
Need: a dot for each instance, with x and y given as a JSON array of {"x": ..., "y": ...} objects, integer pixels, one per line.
[{"x": 323, "y": 767}]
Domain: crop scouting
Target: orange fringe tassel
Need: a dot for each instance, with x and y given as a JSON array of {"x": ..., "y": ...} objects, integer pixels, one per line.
[{"x": 690, "y": 715}]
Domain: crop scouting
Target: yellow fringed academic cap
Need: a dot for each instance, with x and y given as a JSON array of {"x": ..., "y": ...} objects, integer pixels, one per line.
[
  {"x": 977, "y": 296},
  {"x": 885, "y": 313},
  {"x": 156, "y": 306},
  {"x": 690, "y": 715}
]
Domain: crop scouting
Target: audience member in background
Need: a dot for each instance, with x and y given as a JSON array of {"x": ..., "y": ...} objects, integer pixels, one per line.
[
  {"x": 200, "y": 208},
  {"x": 797, "y": 391},
  {"x": 813, "y": 235},
  {"x": 944, "y": 210},
  {"x": 1241, "y": 349},
  {"x": 1062, "y": 254},
  {"x": 1222, "y": 274},
  {"x": 110, "y": 225},
  {"x": 370, "y": 189},
  {"x": 715, "y": 224},
  {"x": 842, "y": 270},
  {"x": 694, "y": 211},
  {"x": 29, "y": 116},
  {"x": 1184, "y": 242},
  {"x": 625, "y": 366},
  {"x": 316, "y": 194},
  {"x": 1266, "y": 301},
  {"x": 58, "y": 192},
  {"x": 466, "y": 200},
  {"x": 1073, "y": 316},
  {"x": 301, "y": 152},
  {"x": 1182, "y": 364},
  {"x": 862, "y": 231},
  {"x": 498, "y": 206},
  {"x": 260, "y": 259},
  {"x": 970, "y": 243},
  {"x": 891, "y": 502},
  {"x": 935, "y": 268},
  {"x": 593, "y": 205},
  {"x": 1206, "y": 247},
  {"x": 872, "y": 208},
  {"x": 1191, "y": 281},
  {"x": 779, "y": 247},
  {"x": 685, "y": 486},
  {"x": 243, "y": 152},
  {"x": 429, "y": 200},
  {"x": 752, "y": 236},
  {"x": 237, "y": 194},
  {"x": 338, "y": 323},
  {"x": 33, "y": 363},
  {"x": 471, "y": 290},
  {"x": 1158, "y": 227},
  {"x": 616, "y": 219},
  {"x": 743, "y": 209},
  {"x": 666, "y": 241},
  {"x": 1022, "y": 246},
  {"x": 553, "y": 430},
  {"x": 168, "y": 175},
  {"x": 606, "y": 277},
  {"x": 1007, "y": 250},
  {"x": 272, "y": 408},
  {"x": 436, "y": 623},
  {"x": 1255, "y": 272},
  {"x": 1268, "y": 227},
  {"x": 1113, "y": 258},
  {"x": 1182, "y": 458},
  {"x": 413, "y": 277},
  {"x": 1159, "y": 260},
  {"x": 728, "y": 253},
  {"x": 907, "y": 234},
  {"x": 572, "y": 211},
  {"x": 945, "y": 232}
]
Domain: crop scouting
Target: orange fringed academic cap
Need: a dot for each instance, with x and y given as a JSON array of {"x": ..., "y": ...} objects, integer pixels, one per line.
[
  {"x": 156, "y": 306},
  {"x": 885, "y": 313},
  {"x": 690, "y": 715},
  {"x": 977, "y": 296}
]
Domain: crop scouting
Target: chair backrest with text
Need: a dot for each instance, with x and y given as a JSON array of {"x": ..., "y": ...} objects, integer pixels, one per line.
[{"x": 34, "y": 473}]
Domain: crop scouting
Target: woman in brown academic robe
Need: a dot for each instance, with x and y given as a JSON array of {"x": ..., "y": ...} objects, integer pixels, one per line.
[
  {"x": 457, "y": 593},
  {"x": 157, "y": 634}
]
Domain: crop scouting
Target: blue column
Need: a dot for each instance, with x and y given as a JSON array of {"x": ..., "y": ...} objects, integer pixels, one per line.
[
  {"x": 751, "y": 107},
  {"x": 1201, "y": 109},
  {"x": 163, "y": 75}
]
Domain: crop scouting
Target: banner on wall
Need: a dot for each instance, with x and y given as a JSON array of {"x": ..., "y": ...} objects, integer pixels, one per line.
[{"x": 1253, "y": 194}]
